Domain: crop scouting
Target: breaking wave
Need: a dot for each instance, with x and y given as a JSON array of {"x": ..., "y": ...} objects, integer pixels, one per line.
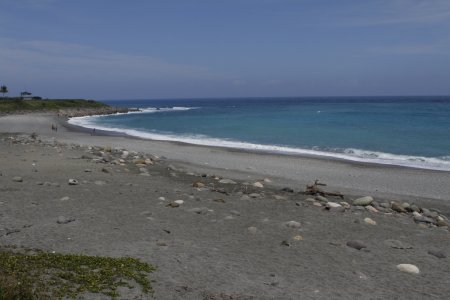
[{"x": 358, "y": 155}]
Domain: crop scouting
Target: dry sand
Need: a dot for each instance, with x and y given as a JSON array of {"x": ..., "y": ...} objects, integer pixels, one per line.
[{"x": 216, "y": 245}]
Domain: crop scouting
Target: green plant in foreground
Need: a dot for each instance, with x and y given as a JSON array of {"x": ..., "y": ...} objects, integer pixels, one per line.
[{"x": 34, "y": 274}]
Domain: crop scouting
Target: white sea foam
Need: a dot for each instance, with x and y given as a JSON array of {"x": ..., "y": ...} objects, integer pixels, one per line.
[{"x": 442, "y": 163}]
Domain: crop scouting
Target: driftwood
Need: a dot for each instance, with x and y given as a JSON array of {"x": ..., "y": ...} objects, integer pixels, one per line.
[{"x": 315, "y": 189}]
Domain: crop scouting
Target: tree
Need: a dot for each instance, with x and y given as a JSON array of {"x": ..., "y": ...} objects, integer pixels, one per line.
[{"x": 4, "y": 90}]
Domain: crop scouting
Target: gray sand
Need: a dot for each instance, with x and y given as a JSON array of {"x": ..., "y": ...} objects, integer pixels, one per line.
[{"x": 204, "y": 248}]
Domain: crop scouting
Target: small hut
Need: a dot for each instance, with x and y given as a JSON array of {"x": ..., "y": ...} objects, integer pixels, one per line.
[{"x": 25, "y": 95}]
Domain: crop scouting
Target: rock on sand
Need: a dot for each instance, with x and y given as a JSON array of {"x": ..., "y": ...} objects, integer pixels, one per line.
[
  {"x": 408, "y": 268},
  {"x": 363, "y": 201}
]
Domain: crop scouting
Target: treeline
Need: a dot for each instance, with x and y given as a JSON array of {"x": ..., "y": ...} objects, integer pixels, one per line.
[{"x": 16, "y": 104}]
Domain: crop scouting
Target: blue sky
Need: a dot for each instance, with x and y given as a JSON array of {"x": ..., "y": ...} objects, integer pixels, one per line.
[{"x": 111, "y": 49}]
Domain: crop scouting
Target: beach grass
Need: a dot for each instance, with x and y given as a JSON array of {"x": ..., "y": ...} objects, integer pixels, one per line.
[
  {"x": 16, "y": 104},
  {"x": 34, "y": 274}
]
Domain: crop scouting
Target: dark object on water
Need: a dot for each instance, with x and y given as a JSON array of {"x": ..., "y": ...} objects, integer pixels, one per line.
[{"x": 314, "y": 189}]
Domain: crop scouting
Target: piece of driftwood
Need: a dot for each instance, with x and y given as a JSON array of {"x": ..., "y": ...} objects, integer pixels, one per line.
[{"x": 315, "y": 189}]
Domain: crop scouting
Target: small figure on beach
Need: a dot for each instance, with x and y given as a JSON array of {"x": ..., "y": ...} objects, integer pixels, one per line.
[
  {"x": 54, "y": 128},
  {"x": 93, "y": 131}
]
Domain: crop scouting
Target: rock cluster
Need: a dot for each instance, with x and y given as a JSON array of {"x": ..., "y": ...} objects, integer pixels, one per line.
[{"x": 420, "y": 215}]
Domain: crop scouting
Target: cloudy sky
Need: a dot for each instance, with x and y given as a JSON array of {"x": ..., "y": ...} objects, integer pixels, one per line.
[{"x": 144, "y": 49}]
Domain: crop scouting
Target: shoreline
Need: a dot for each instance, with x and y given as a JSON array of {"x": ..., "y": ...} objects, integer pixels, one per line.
[
  {"x": 241, "y": 222},
  {"x": 396, "y": 160},
  {"x": 351, "y": 177},
  {"x": 262, "y": 152}
]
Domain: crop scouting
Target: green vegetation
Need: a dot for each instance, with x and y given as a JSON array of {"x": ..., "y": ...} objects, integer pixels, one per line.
[
  {"x": 16, "y": 104},
  {"x": 33, "y": 274}
]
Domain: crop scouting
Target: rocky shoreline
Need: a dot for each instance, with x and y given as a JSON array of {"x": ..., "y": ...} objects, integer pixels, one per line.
[{"x": 256, "y": 240}]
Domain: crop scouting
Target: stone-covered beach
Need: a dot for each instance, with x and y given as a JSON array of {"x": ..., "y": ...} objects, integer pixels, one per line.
[{"x": 222, "y": 224}]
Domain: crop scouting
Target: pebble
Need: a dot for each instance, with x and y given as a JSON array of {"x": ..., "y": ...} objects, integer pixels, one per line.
[
  {"x": 443, "y": 224},
  {"x": 278, "y": 197},
  {"x": 371, "y": 209},
  {"x": 227, "y": 181},
  {"x": 437, "y": 253},
  {"x": 173, "y": 205},
  {"x": 397, "y": 244},
  {"x": 179, "y": 201},
  {"x": 406, "y": 205},
  {"x": 363, "y": 201},
  {"x": 267, "y": 180},
  {"x": 317, "y": 204},
  {"x": 198, "y": 184},
  {"x": 356, "y": 244},
  {"x": 385, "y": 205},
  {"x": 162, "y": 198},
  {"x": 73, "y": 182},
  {"x": 321, "y": 198},
  {"x": 292, "y": 224},
  {"x": 125, "y": 154},
  {"x": 17, "y": 179},
  {"x": 416, "y": 214},
  {"x": 332, "y": 205},
  {"x": 359, "y": 207},
  {"x": 258, "y": 184},
  {"x": 398, "y": 207},
  {"x": 408, "y": 268},
  {"x": 370, "y": 221},
  {"x": 88, "y": 170},
  {"x": 345, "y": 204},
  {"x": 65, "y": 198},
  {"x": 298, "y": 238},
  {"x": 423, "y": 219},
  {"x": 252, "y": 230},
  {"x": 245, "y": 197},
  {"x": 64, "y": 220},
  {"x": 430, "y": 214},
  {"x": 414, "y": 208},
  {"x": 285, "y": 243},
  {"x": 310, "y": 200},
  {"x": 99, "y": 182}
]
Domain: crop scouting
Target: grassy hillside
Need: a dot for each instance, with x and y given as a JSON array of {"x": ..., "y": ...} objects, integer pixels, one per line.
[{"x": 12, "y": 105}]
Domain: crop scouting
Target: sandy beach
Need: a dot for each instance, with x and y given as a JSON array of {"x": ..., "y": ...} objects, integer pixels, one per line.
[{"x": 238, "y": 232}]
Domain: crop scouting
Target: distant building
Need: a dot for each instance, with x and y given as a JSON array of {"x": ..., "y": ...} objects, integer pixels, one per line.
[{"x": 25, "y": 95}]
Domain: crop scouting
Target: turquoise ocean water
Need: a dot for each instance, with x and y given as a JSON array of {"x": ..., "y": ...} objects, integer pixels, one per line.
[{"x": 409, "y": 131}]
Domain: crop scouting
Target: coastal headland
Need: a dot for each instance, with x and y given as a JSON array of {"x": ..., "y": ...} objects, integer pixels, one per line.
[{"x": 220, "y": 223}]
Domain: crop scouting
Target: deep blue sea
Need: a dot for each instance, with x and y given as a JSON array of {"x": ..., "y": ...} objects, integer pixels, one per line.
[{"x": 409, "y": 131}]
